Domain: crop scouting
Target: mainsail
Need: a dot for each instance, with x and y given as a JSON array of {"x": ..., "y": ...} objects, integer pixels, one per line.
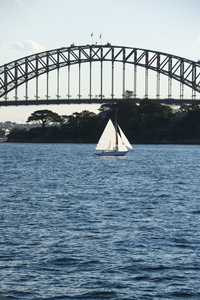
[{"x": 107, "y": 139}]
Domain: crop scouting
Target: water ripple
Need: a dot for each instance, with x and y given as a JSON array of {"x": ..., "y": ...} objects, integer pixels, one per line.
[{"x": 75, "y": 226}]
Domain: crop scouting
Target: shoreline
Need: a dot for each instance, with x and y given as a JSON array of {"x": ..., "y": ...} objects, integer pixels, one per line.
[{"x": 178, "y": 142}]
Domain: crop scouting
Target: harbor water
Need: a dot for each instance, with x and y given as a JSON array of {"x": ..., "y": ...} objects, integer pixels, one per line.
[{"x": 77, "y": 226}]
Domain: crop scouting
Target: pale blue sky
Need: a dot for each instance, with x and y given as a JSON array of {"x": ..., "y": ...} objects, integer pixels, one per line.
[{"x": 29, "y": 26}]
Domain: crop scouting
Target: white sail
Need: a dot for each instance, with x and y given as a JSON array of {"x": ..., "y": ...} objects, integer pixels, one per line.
[
  {"x": 107, "y": 139},
  {"x": 121, "y": 145},
  {"x": 125, "y": 140},
  {"x": 110, "y": 142}
]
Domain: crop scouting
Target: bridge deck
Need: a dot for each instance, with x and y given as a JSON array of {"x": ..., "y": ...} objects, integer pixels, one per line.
[{"x": 167, "y": 101}]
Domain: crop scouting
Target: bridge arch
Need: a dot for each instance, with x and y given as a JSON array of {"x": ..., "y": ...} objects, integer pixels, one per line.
[{"x": 21, "y": 71}]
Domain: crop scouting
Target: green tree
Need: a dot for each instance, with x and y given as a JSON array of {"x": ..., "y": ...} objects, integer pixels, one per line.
[
  {"x": 189, "y": 107},
  {"x": 152, "y": 113},
  {"x": 44, "y": 117},
  {"x": 86, "y": 125},
  {"x": 128, "y": 94},
  {"x": 65, "y": 119}
]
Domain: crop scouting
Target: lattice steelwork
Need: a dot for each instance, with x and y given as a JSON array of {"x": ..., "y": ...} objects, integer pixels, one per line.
[{"x": 21, "y": 71}]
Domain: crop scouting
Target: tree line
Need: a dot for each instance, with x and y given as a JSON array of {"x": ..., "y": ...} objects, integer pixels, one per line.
[{"x": 147, "y": 122}]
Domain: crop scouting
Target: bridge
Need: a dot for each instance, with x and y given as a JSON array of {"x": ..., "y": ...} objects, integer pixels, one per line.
[{"x": 98, "y": 74}]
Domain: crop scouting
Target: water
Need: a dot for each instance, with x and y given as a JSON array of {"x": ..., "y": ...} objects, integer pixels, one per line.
[{"x": 77, "y": 226}]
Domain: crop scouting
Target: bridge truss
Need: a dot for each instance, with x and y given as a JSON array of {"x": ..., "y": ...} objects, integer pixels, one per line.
[{"x": 22, "y": 71}]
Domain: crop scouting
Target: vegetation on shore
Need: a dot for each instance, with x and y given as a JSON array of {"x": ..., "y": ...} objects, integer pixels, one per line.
[{"x": 148, "y": 122}]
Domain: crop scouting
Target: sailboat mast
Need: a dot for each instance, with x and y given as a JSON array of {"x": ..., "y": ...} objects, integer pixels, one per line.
[{"x": 116, "y": 129}]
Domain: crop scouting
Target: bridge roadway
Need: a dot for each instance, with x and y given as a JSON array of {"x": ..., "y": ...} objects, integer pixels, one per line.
[{"x": 168, "y": 101}]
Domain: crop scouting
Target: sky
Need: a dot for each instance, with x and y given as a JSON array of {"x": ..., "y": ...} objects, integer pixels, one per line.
[{"x": 30, "y": 26}]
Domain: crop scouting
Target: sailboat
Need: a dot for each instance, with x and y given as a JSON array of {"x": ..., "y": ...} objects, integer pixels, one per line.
[{"x": 113, "y": 141}]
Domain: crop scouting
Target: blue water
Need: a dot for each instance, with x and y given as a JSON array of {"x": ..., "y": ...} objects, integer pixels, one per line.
[{"x": 77, "y": 226}]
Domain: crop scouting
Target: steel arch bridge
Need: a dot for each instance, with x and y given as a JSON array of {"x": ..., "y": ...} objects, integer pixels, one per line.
[{"x": 23, "y": 70}]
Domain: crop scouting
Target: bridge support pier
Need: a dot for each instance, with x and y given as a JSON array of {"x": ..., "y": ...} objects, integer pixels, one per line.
[
  {"x": 79, "y": 81},
  {"x": 112, "y": 83},
  {"x": 101, "y": 81},
  {"x": 181, "y": 90},
  {"x": 135, "y": 82},
  {"x": 90, "y": 94},
  {"x": 26, "y": 91},
  {"x": 123, "y": 87},
  {"x": 16, "y": 82},
  {"x": 146, "y": 82},
  {"x": 68, "y": 86},
  {"x": 37, "y": 89},
  {"x": 58, "y": 76},
  {"x": 193, "y": 94},
  {"x": 169, "y": 87},
  {"x": 47, "y": 91},
  {"x": 158, "y": 86},
  {"x": 170, "y": 77}
]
